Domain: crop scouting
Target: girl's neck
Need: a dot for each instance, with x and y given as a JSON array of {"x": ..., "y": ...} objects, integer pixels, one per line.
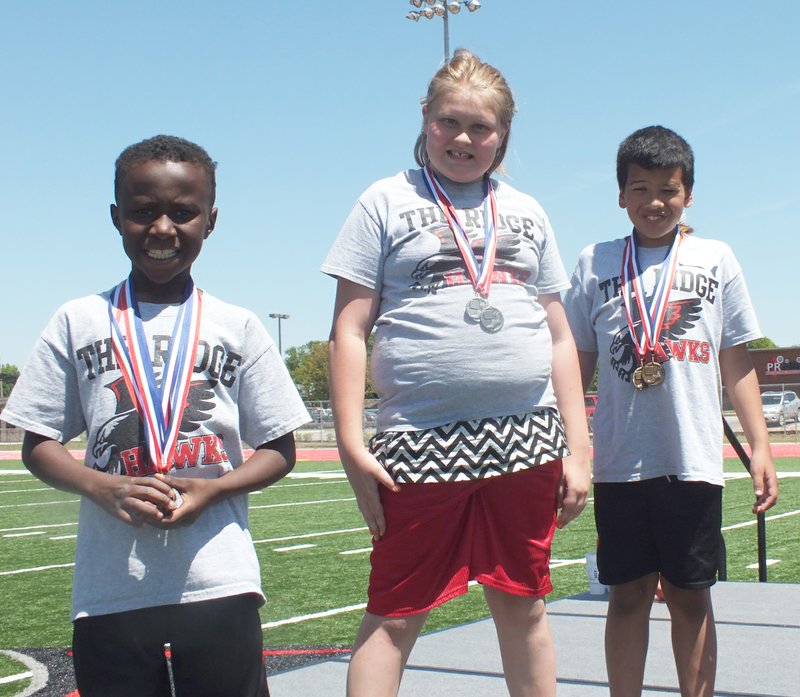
[{"x": 447, "y": 183}]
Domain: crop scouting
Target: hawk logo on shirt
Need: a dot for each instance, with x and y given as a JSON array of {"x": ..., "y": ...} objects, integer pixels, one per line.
[
  {"x": 446, "y": 268},
  {"x": 124, "y": 431},
  {"x": 680, "y": 316}
]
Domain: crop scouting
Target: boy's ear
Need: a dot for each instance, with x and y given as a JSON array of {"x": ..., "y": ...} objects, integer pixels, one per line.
[
  {"x": 212, "y": 221},
  {"x": 115, "y": 217},
  {"x": 689, "y": 199},
  {"x": 622, "y": 203}
]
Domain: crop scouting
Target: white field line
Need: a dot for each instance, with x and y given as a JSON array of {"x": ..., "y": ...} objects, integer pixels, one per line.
[
  {"x": 37, "y": 672},
  {"x": 25, "y": 534},
  {"x": 24, "y": 491},
  {"x": 313, "y": 616},
  {"x": 363, "y": 550},
  {"x": 290, "y": 486},
  {"x": 64, "y": 537},
  {"x": 361, "y": 606},
  {"x": 38, "y": 527},
  {"x": 37, "y": 568},
  {"x": 748, "y": 523},
  {"x": 299, "y": 503},
  {"x": 294, "y": 548},
  {"x": 769, "y": 562},
  {"x": 15, "y": 678},
  {"x": 41, "y": 503},
  {"x": 308, "y": 535},
  {"x": 320, "y": 474}
]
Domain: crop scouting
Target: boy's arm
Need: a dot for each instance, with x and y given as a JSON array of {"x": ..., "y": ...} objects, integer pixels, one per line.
[
  {"x": 741, "y": 383},
  {"x": 566, "y": 376},
  {"x": 134, "y": 500},
  {"x": 269, "y": 462},
  {"x": 353, "y": 318}
]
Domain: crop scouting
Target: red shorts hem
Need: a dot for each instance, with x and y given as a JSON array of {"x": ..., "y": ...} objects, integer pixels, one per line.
[
  {"x": 407, "y": 612},
  {"x": 516, "y": 588}
]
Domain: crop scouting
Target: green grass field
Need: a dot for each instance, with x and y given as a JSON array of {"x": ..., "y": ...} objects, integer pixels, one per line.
[{"x": 314, "y": 553}]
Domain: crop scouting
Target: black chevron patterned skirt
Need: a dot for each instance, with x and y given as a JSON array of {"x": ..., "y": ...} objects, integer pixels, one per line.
[{"x": 466, "y": 450}]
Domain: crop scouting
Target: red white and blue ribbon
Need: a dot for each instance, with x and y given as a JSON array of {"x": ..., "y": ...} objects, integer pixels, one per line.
[
  {"x": 160, "y": 407},
  {"x": 652, "y": 314},
  {"x": 479, "y": 274}
]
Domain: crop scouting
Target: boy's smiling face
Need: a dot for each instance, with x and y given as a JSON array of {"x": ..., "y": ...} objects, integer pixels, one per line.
[
  {"x": 655, "y": 200},
  {"x": 164, "y": 212}
]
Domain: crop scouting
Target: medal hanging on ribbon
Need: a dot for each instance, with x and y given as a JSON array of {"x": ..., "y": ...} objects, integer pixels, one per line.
[
  {"x": 478, "y": 309},
  {"x": 649, "y": 353},
  {"x": 160, "y": 408}
]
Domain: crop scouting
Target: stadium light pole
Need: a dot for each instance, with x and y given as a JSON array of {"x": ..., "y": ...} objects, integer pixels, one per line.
[
  {"x": 279, "y": 316},
  {"x": 441, "y": 8}
]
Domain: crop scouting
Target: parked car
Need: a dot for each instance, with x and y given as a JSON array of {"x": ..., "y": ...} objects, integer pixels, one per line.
[
  {"x": 370, "y": 417},
  {"x": 780, "y": 407},
  {"x": 590, "y": 402}
]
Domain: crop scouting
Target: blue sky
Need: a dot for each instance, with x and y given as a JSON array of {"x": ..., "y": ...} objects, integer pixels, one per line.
[{"x": 304, "y": 104}]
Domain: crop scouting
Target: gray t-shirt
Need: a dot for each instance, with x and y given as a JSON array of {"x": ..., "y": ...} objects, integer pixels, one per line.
[
  {"x": 674, "y": 428},
  {"x": 240, "y": 391},
  {"x": 429, "y": 365}
]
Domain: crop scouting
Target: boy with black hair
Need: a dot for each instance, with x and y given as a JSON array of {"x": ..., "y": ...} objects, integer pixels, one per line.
[
  {"x": 168, "y": 382},
  {"x": 669, "y": 317}
]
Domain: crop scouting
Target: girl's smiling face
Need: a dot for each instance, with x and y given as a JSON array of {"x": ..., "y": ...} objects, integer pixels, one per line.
[{"x": 463, "y": 135}]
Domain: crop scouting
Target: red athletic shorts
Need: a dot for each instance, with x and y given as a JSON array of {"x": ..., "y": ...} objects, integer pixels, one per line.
[{"x": 438, "y": 537}]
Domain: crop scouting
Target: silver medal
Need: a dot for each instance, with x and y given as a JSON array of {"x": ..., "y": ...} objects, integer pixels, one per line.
[
  {"x": 491, "y": 319},
  {"x": 475, "y": 308}
]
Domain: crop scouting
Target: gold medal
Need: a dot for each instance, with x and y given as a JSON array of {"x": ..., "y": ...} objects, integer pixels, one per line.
[
  {"x": 652, "y": 373},
  {"x": 637, "y": 379}
]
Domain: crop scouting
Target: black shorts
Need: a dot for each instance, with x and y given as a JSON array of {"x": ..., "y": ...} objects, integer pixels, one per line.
[
  {"x": 664, "y": 525},
  {"x": 217, "y": 650}
]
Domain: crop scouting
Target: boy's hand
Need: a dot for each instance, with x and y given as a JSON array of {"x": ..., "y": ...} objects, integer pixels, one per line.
[
  {"x": 137, "y": 501},
  {"x": 765, "y": 482},
  {"x": 197, "y": 494},
  {"x": 573, "y": 491}
]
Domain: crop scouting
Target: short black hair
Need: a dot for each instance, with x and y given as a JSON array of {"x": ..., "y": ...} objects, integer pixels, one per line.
[
  {"x": 655, "y": 147},
  {"x": 163, "y": 148}
]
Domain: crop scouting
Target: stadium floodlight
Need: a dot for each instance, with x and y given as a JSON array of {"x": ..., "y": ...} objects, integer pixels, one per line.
[
  {"x": 279, "y": 316},
  {"x": 443, "y": 9}
]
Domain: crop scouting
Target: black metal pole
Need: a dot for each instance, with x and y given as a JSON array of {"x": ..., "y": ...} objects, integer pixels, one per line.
[{"x": 760, "y": 518}]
